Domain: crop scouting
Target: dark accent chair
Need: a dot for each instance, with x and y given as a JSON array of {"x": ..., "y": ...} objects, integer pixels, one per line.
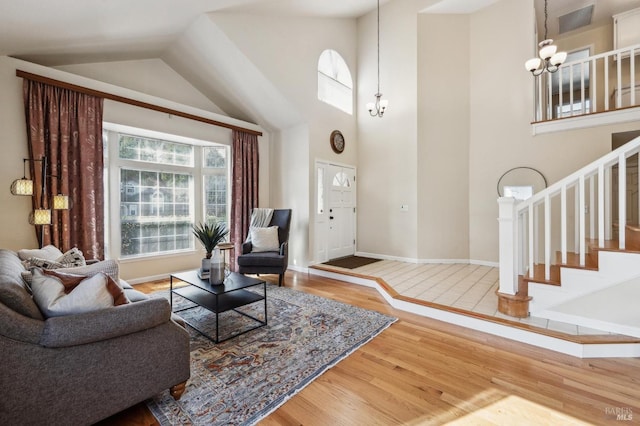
[{"x": 269, "y": 262}]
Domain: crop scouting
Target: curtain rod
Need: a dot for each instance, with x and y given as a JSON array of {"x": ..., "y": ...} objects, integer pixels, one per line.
[{"x": 129, "y": 101}]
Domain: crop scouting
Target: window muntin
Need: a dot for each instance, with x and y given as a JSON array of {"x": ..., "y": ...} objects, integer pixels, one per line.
[
  {"x": 335, "y": 85},
  {"x": 155, "y": 151},
  {"x": 164, "y": 187},
  {"x": 215, "y": 175}
]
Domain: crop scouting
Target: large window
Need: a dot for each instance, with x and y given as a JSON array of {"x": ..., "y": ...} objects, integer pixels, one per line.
[
  {"x": 335, "y": 85},
  {"x": 164, "y": 187}
]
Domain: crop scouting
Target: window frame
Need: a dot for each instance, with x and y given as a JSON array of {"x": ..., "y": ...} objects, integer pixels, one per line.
[{"x": 112, "y": 172}]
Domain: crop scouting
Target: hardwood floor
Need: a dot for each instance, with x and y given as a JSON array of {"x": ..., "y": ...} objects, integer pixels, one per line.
[{"x": 422, "y": 371}]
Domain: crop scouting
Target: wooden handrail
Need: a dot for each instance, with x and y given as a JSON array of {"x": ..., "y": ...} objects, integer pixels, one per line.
[{"x": 129, "y": 101}]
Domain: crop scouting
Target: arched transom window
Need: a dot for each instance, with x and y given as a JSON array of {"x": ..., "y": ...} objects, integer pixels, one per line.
[{"x": 335, "y": 85}]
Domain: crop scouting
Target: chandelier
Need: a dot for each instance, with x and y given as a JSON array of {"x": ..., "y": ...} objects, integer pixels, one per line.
[
  {"x": 549, "y": 60},
  {"x": 377, "y": 108}
]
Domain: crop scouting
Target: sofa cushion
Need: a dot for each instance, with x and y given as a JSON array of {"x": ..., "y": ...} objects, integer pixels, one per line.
[
  {"x": 266, "y": 259},
  {"x": 264, "y": 239},
  {"x": 59, "y": 294}
]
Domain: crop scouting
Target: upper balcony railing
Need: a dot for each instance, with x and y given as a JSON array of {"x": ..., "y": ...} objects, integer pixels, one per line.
[{"x": 605, "y": 82}]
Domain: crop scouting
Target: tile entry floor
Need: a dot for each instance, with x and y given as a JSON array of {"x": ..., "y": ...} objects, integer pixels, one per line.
[{"x": 464, "y": 286}]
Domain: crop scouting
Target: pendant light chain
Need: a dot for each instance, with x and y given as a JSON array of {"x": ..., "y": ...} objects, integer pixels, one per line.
[
  {"x": 377, "y": 108},
  {"x": 546, "y": 16},
  {"x": 378, "y": 46}
]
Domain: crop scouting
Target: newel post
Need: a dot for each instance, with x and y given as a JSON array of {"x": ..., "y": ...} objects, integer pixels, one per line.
[
  {"x": 508, "y": 239},
  {"x": 512, "y": 300}
]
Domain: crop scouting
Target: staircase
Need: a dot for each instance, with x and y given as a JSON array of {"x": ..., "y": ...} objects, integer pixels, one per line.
[{"x": 564, "y": 257}]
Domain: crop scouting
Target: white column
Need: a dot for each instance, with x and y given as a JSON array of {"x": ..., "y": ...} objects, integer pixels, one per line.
[{"x": 508, "y": 226}]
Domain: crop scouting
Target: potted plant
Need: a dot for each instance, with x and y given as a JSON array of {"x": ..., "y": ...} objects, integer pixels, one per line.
[{"x": 210, "y": 235}]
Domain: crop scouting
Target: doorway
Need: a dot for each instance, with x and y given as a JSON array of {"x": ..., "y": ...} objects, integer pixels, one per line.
[{"x": 335, "y": 228}]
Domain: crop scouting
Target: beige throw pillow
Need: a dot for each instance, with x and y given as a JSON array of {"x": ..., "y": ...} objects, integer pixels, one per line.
[
  {"x": 265, "y": 239},
  {"x": 57, "y": 294},
  {"x": 47, "y": 252}
]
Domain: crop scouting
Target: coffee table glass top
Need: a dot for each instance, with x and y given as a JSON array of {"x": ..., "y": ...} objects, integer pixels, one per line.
[{"x": 233, "y": 282}]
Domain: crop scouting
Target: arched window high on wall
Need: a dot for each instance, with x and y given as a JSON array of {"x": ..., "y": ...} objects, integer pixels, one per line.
[{"x": 335, "y": 85}]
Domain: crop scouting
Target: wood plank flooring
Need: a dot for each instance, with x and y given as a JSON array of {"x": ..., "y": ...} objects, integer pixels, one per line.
[{"x": 426, "y": 372}]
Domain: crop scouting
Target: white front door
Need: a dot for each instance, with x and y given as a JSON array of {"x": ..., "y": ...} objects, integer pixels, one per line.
[{"x": 341, "y": 188}]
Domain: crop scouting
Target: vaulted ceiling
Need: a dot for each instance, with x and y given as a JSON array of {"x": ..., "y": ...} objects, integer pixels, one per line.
[{"x": 63, "y": 32}]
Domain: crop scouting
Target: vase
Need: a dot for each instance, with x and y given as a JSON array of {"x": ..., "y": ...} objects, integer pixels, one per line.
[
  {"x": 216, "y": 269},
  {"x": 205, "y": 265}
]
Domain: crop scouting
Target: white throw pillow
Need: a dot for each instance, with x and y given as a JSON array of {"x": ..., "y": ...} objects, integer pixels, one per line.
[
  {"x": 47, "y": 252},
  {"x": 90, "y": 295},
  {"x": 265, "y": 239}
]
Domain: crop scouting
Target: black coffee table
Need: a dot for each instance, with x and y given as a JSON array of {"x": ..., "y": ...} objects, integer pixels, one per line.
[{"x": 220, "y": 298}]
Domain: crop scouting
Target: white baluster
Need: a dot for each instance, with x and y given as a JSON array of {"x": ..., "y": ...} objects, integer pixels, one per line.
[
  {"x": 592, "y": 207},
  {"x": 582, "y": 236},
  {"x": 532, "y": 239},
  {"x": 619, "y": 83},
  {"x": 593, "y": 88},
  {"x": 606, "y": 83},
  {"x": 563, "y": 224},
  {"x": 601, "y": 206},
  {"x": 547, "y": 237},
  {"x": 622, "y": 200}
]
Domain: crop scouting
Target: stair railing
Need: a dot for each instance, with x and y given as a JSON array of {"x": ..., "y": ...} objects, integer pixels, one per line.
[
  {"x": 603, "y": 82},
  {"x": 561, "y": 218}
]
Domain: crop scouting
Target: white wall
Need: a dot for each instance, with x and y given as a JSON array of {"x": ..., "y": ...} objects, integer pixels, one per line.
[
  {"x": 150, "y": 76},
  {"x": 286, "y": 50},
  {"x": 443, "y": 136},
  {"x": 387, "y": 162}
]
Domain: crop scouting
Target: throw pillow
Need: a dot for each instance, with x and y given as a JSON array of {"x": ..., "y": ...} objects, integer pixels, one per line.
[
  {"x": 73, "y": 257},
  {"x": 109, "y": 267},
  {"x": 47, "y": 252},
  {"x": 79, "y": 294},
  {"x": 264, "y": 239},
  {"x": 36, "y": 262}
]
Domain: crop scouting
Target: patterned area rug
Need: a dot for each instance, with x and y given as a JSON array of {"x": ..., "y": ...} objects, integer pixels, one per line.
[{"x": 242, "y": 380}]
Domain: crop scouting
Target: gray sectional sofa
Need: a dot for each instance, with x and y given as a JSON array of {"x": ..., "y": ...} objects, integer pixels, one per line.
[{"x": 78, "y": 369}]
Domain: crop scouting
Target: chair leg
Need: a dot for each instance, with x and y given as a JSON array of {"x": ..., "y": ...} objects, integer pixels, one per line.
[{"x": 280, "y": 280}]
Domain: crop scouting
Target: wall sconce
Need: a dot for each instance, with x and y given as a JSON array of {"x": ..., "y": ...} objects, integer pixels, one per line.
[
  {"x": 22, "y": 186},
  {"x": 61, "y": 202},
  {"x": 41, "y": 217}
]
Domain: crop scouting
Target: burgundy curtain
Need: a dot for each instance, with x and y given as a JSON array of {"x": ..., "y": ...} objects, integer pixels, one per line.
[
  {"x": 244, "y": 186},
  {"x": 66, "y": 127}
]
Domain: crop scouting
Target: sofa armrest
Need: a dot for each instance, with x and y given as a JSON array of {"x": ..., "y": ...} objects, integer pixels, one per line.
[{"x": 105, "y": 324}]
